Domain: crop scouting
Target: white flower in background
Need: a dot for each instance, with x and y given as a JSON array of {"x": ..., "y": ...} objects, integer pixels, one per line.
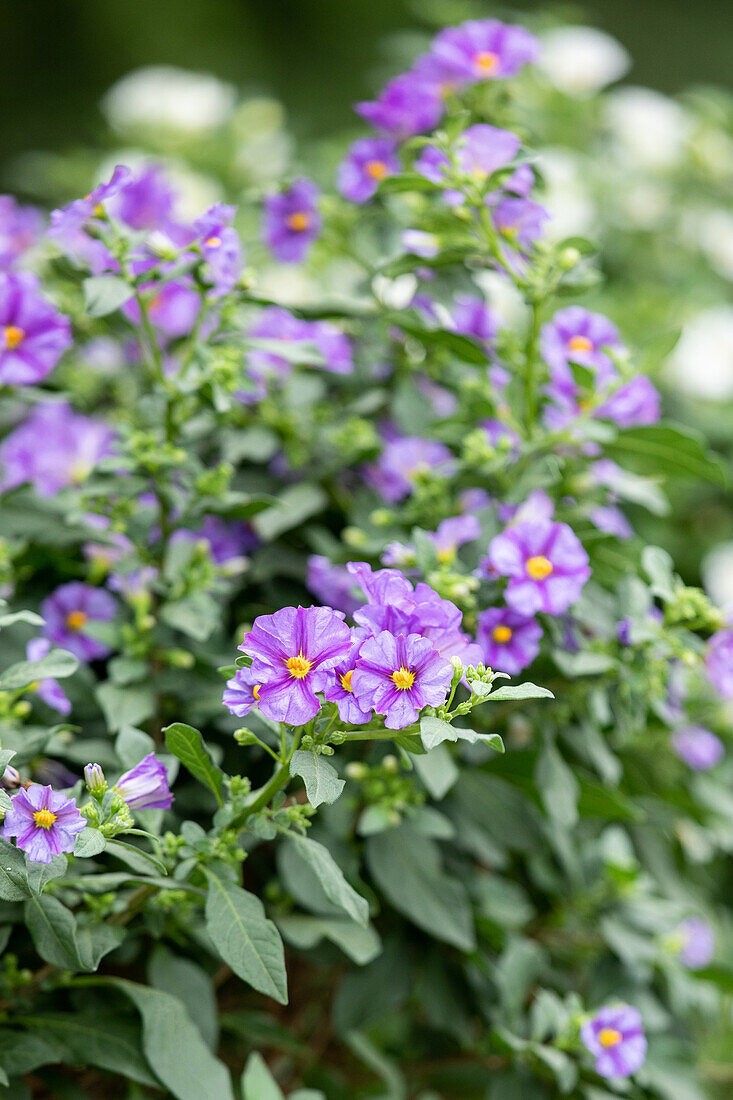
[
  {"x": 702, "y": 363},
  {"x": 162, "y": 96},
  {"x": 395, "y": 293},
  {"x": 717, "y": 575},
  {"x": 712, "y": 231},
  {"x": 503, "y": 297},
  {"x": 566, "y": 196},
  {"x": 582, "y": 60},
  {"x": 649, "y": 128},
  {"x": 643, "y": 203}
]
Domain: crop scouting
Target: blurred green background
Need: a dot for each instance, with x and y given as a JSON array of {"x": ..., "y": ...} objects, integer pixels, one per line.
[{"x": 317, "y": 56}]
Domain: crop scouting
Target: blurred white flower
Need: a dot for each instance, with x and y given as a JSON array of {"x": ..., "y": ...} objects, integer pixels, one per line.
[
  {"x": 702, "y": 363},
  {"x": 648, "y": 127},
  {"x": 162, "y": 96},
  {"x": 582, "y": 60},
  {"x": 503, "y": 297},
  {"x": 566, "y": 196},
  {"x": 395, "y": 293},
  {"x": 717, "y": 575},
  {"x": 712, "y": 231}
]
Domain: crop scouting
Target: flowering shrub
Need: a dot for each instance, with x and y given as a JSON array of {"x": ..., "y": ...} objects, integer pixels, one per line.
[{"x": 254, "y": 846}]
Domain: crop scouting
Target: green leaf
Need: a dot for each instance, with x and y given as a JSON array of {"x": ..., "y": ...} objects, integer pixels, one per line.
[
  {"x": 187, "y": 744},
  {"x": 360, "y": 944},
  {"x": 557, "y": 786},
  {"x": 53, "y": 931},
  {"x": 125, "y": 706},
  {"x": 434, "y": 731},
  {"x": 136, "y": 858},
  {"x": 721, "y": 976},
  {"x": 13, "y": 873},
  {"x": 104, "y": 294},
  {"x": 331, "y": 877},
  {"x": 257, "y": 1081},
  {"x": 669, "y": 450},
  {"x": 244, "y": 937},
  {"x": 520, "y": 691},
  {"x": 89, "y": 842},
  {"x": 97, "y": 1039},
  {"x": 57, "y": 664},
  {"x": 322, "y": 783},
  {"x": 659, "y": 568},
  {"x": 13, "y": 617},
  {"x": 174, "y": 1048},
  {"x": 461, "y": 346},
  {"x": 292, "y": 507},
  {"x": 407, "y": 868},
  {"x": 189, "y": 983},
  {"x": 196, "y": 615},
  {"x": 582, "y": 663},
  {"x": 437, "y": 771}
]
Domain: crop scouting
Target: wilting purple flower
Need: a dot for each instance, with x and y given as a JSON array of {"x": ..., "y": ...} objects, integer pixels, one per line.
[
  {"x": 369, "y": 161},
  {"x": 145, "y": 787},
  {"x": 480, "y": 151},
  {"x": 697, "y": 943},
  {"x": 145, "y": 200},
  {"x": 69, "y": 225},
  {"x": 719, "y": 662},
  {"x": 220, "y": 247},
  {"x": 33, "y": 334},
  {"x": 472, "y": 316},
  {"x": 173, "y": 307},
  {"x": 241, "y": 693},
  {"x": 453, "y": 533},
  {"x": 407, "y": 105},
  {"x": 510, "y": 641},
  {"x": 291, "y": 650},
  {"x": 44, "y": 823},
  {"x": 227, "y": 539},
  {"x": 575, "y": 335},
  {"x": 397, "y": 676},
  {"x": 699, "y": 748},
  {"x": 20, "y": 228},
  {"x": 54, "y": 447},
  {"x": 339, "y": 689},
  {"x": 292, "y": 221},
  {"x": 332, "y": 584},
  {"x": 611, "y": 520},
  {"x": 68, "y": 610},
  {"x": 616, "y": 1039},
  {"x": 480, "y": 49},
  {"x": 520, "y": 221},
  {"x": 635, "y": 404},
  {"x": 49, "y": 690},
  {"x": 402, "y": 461},
  {"x": 545, "y": 563}
]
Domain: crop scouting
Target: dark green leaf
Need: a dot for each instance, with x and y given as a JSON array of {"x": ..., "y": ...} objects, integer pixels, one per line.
[{"x": 187, "y": 744}]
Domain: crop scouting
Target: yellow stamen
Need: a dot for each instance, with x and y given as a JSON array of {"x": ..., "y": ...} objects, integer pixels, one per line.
[
  {"x": 539, "y": 567},
  {"x": 213, "y": 242},
  {"x": 403, "y": 679},
  {"x": 609, "y": 1037},
  {"x": 376, "y": 169},
  {"x": 580, "y": 343},
  {"x": 256, "y": 691},
  {"x": 98, "y": 211},
  {"x": 299, "y": 666},
  {"x": 75, "y": 620},
  {"x": 44, "y": 819},
  {"x": 486, "y": 61},
  {"x": 502, "y": 634},
  {"x": 346, "y": 680},
  {"x": 298, "y": 222},
  {"x": 446, "y": 555},
  {"x": 13, "y": 336}
]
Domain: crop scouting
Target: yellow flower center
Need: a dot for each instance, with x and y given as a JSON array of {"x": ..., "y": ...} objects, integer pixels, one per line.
[
  {"x": 44, "y": 819},
  {"x": 502, "y": 634},
  {"x": 446, "y": 555},
  {"x": 298, "y": 222},
  {"x": 13, "y": 336},
  {"x": 298, "y": 667},
  {"x": 486, "y": 61},
  {"x": 213, "y": 242},
  {"x": 609, "y": 1037},
  {"x": 403, "y": 679},
  {"x": 98, "y": 211},
  {"x": 346, "y": 680},
  {"x": 75, "y": 620},
  {"x": 580, "y": 343},
  {"x": 376, "y": 169},
  {"x": 539, "y": 567},
  {"x": 256, "y": 691}
]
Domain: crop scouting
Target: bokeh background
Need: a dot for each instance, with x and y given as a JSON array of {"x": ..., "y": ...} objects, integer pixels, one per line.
[{"x": 316, "y": 56}]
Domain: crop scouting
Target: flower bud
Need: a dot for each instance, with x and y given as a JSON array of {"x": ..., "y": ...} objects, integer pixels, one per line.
[
  {"x": 94, "y": 779},
  {"x": 568, "y": 258},
  {"x": 10, "y": 778}
]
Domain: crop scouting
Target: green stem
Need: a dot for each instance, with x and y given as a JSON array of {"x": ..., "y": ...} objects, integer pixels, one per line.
[
  {"x": 530, "y": 376},
  {"x": 271, "y": 788}
]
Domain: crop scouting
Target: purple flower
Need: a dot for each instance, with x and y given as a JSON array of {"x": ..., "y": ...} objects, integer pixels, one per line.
[
  {"x": 480, "y": 49},
  {"x": 545, "y": 563},
  {"x": 68, "y": 610},
  {"x": 69, "y": 225},
  {"x": 275, "y": 323},
  {"x": 332, "y": 584},
  {"x": 616, "y": 1039},
  {"x": 145, "y": 787},
  {"x": 54, "y": 447},
  {"x": 611, "y": 520},
  {"x": 575, "y": 335},
  {"x": 510, "y": 641},
  {"x": 44, "y": 822},
  {"x": 292, "y": 221},
  {"x": 227, "y": 539},
  {"x": 697, "y": 747},
  {"x": 407, "y": 105},
  {"x": 453, "y": 533},
  {"x": 697, "y": 943},
  {"x": 33, "y": 334},
  {"x": 220, "y": 247},
  {"x": 339, "y": 689},
  {"x": 49, "y": 690},
  {"x": 145, "y": 200},
  {"x": 242, "y": 693},
  {"x": 520, "y": 221},
  {"x": 20, "y": 228},
  {"x": 480, "y": 151},
  {"x": 172, "y": 308},
  {"x": 399, "y": 675},
  {"x": 472, "y": 316},
  {"x": 291, "y": 650},
  {"x": 369, "y": 161},
  {"x": 402, "y": 461},
  {"x": 719, "y": 662},
  {"x": 635, "y": 404},
  {"x": 133, "y": 584}
]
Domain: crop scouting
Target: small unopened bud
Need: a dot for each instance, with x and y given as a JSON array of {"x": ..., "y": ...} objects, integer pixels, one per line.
[
  {"x": 457, "y": 664},
  {"x": 94, "y": 779},
  {"x": 568, "y": 258},
  {"x": 11, "y": 778},
  {"x": 390, "y": 763},
  {"x": 353, "y": 536},
  {"x": 357, "y": 770}
]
